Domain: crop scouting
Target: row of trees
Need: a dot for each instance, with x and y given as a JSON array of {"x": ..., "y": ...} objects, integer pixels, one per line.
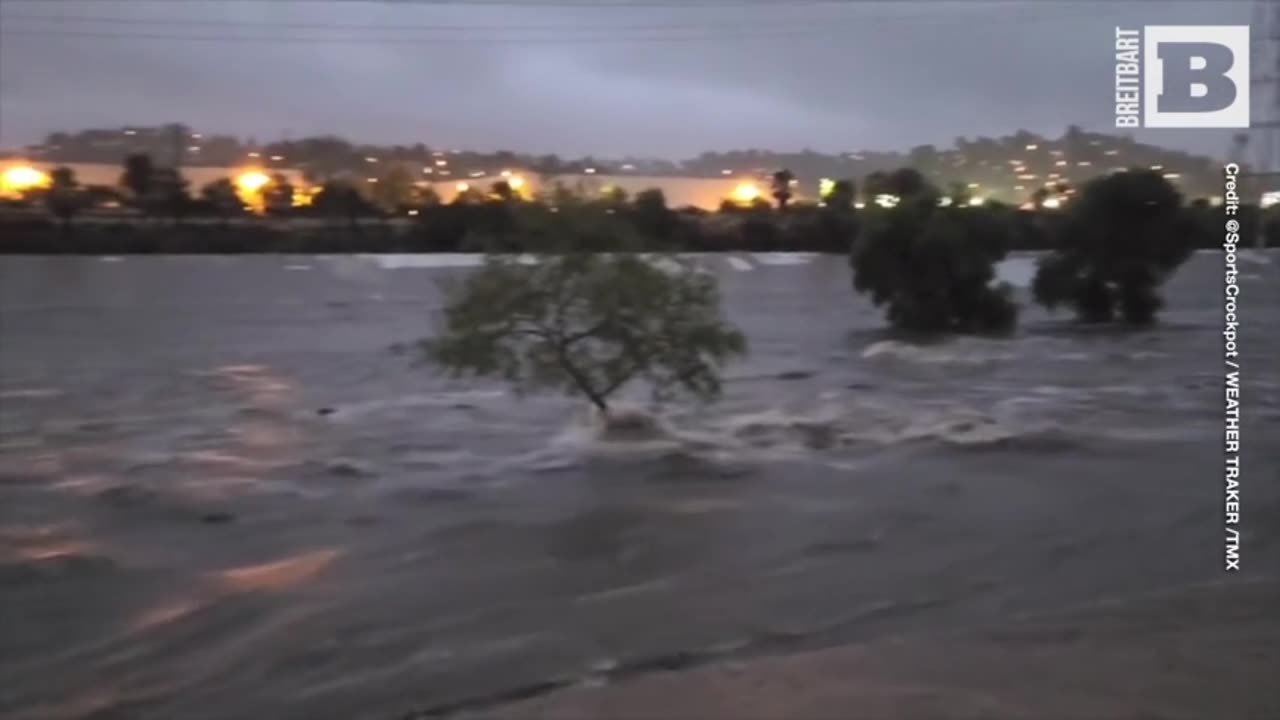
[
  {"x": 933, "y": 267},
  {"x": 589, "y": 323}
]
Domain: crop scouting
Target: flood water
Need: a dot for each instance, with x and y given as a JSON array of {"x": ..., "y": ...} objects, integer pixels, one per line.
[{"x": 227, "y": 491}]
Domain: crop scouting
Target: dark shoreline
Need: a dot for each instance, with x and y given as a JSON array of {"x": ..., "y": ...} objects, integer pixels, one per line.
[{"x": 1201, "y": 652}]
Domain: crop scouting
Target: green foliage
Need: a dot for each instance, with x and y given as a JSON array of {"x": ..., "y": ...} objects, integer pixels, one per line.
[
  {"x": 932, "y": 267},
  {"x": 1118, "y": 242},
  {"x": 587, "y": 323}
]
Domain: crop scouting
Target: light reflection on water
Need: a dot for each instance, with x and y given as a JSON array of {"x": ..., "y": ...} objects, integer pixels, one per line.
[{"x": 231, "y": 505}]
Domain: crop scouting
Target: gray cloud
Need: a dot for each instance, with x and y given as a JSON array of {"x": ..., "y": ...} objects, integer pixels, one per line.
[{"x": 784, "y": 76}]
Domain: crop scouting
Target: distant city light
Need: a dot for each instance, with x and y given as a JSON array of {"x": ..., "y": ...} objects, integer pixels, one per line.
[
  {"x": 506, "y": 173},
  {"x": 826, "y": 186},
  {"x": 1269, "y": 199},
  {"x": 476, "y": 173},
  {"x": 515, "y": 182},
  {"x": 745, "y": 192},
  {"x": 1084, "y": 163},
  {"x": 1157, "y": 167},
  {"x": 1172, "y": 176},
  {"x": 859, "y": 205},
  {"x": 726, "y": 172},
  {"x": 372, "y": 180},
  {"x": 977, "y": 201},
  {"x": 441, "y": 163},
  {"x": 944, "y": 201},
  {"x": 886, "y": 201},
  {"x": 196, "y": 136},
  {"x": 413, "y": 212},
  {"x": 371, "y": 159},
  {"x": 22, "y": 178},
  {"x": 254, "y": 155},
  {"x": 277, "y": 158},
  {"x": 590, "y": 171},
  {"x": 973, "y": 185},
  {"x": 1052, "y": 203},
  {"x": 1033, "y": 147},
  {"x": 628, "y": 166},
  {"x": 252, "y": 181},
  {"x": 463, "y": 187},
  {"x": 130, "y": 132}
]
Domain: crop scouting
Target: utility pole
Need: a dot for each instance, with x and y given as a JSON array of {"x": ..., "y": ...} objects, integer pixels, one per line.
[{"x": 1263, "y": 137}]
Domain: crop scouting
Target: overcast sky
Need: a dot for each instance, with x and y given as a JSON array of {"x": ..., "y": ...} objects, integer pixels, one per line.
[{"x": 643, "y": 77}]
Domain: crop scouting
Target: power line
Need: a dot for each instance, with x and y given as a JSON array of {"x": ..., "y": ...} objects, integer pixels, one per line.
[
  {"x": 231, "y": 24},
  {"x": 551, "y": 34}
]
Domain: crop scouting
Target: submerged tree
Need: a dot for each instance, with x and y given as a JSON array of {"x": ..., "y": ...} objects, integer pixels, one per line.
[
  {"x": 933, "y": 267},
  {"x": 587, "y": 324},
  {"x": 1119, "y": 241}
]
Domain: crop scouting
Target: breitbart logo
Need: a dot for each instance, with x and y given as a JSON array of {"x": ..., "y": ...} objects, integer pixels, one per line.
[{"x": 1182, "y": 76}]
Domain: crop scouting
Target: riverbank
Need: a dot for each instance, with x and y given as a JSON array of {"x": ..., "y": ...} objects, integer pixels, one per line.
[{"x": 1200, "y": 653}]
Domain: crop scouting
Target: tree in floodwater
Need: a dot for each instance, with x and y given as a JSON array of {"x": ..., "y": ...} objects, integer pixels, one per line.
[
  {"x": 1119, "y": 240},
  {"x": 63, "y": 198},
  {"x": 587, "y": 323},
  {"x": 933, "y": 267}
]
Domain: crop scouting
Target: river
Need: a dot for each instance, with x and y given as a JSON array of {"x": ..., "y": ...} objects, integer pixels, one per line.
[{"x": 228, "y": 491}]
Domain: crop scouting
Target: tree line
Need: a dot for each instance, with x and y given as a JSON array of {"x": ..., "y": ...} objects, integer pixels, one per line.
[{"x": 589, "y": 323}]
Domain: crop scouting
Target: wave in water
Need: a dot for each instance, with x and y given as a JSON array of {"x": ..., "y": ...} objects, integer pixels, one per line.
[{"x": 959, "y": 352}]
